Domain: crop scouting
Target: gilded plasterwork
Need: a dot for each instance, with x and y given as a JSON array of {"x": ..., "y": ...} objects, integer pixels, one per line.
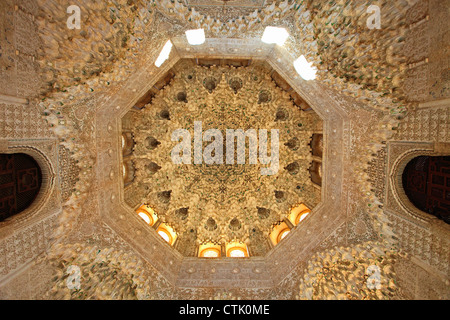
[{"x": 225, "y": 201}]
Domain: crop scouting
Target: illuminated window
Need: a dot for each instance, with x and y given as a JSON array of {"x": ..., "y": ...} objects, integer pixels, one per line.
[
  {"x": 209, "y": 250},
  {"x": 147, "y": 214},
  {"x": 305, "y": 69},
  {"x": 210, "y": 253},
  {"x": 237, "y": 253},
  {"x": 275, "y": 35},
  {"x": 195, "y": 37},
  {"x": 298, "y": 214},
  {"x": 165, "y": 53},
  {"x": 146, "y": 218},
  {"x": 283, "y": 234},
  {"x": 165, "y": 235},
  {"x": 279, "y": 232},
  {"x": 301, "y": 216},
  {"x": 236, "y": 250}
]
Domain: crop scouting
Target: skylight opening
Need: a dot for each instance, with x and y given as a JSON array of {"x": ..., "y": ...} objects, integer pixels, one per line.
[
  {"x": 164, "y": 55},
  {"x": 275, "y": 35},
  {"x": 196, "y": 37},
  {"x": 305, "y": 69}
]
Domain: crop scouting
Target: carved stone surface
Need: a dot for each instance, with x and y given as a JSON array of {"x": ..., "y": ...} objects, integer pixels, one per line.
[
  {"x": 83, "y": 98},
  {"x": 222, "y": 98}
]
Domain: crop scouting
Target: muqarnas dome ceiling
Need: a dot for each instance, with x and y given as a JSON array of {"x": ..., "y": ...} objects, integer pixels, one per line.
[{"x": 222, "y": 201}]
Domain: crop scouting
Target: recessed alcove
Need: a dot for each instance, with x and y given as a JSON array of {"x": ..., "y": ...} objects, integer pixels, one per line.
[
  {"x": 315, "y": 98},
  {"x": 20, "y": 183}
]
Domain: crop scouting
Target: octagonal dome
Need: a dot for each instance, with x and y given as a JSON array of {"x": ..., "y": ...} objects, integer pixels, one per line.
[
  {"x": 121, "y": 201},
  {"x": 222, "y": 180}
]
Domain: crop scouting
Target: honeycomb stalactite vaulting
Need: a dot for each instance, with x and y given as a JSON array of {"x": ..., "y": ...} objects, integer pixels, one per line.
[
  {"x": 223, "y": 199},
  {"x": 108, "y": 273},
  {"x": 112, "y": 30},
  {"x": 364, "y": 272},
  {"x": 349, "y": 51}
]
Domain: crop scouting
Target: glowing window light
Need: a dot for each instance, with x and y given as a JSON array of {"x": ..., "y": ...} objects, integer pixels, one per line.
[
  {"x": 164, "y": 235},
  {"x": 305, "y": 69},
  {"x": 275, "y": 35},
  {"x": 210, "y": 253},
  {"x": 195, "y": 37},
  {"x": 284, "y": 234},
  {"x": 303, "y": 216},
  {"x": 145, "y": 217},
  {"x": 164, "y": 55},
  {"x": 236, "y": 253}
]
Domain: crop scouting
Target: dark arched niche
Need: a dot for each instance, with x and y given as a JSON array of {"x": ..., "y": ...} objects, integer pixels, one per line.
[
  {"x": 426, "y": 181},
  {"x": 20, "y": 183}
]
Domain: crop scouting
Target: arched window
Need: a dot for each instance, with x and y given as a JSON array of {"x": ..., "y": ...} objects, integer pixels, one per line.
[
  {"x": 236, "y": 250},
  {"x": 147, "y": 214},
  {"x": 128, "y": 172},
  {"x": 301, "y": 216},
  {"x": 315, "y": 172},
  {"x": 283, "y": 234},
  {"x": 20, "y": 183},
  {"x": 317, "y": 145},
  {"x": 127, "y": 144},
  {"x": 209, "y": 251},
  {"x": 279, "y": 231},
  {"x": 146, "y": 217},
  {"x": 298, "y": 214},
  {"x": 426, "y": 181},
  {"x": 167, "y": 233}
]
